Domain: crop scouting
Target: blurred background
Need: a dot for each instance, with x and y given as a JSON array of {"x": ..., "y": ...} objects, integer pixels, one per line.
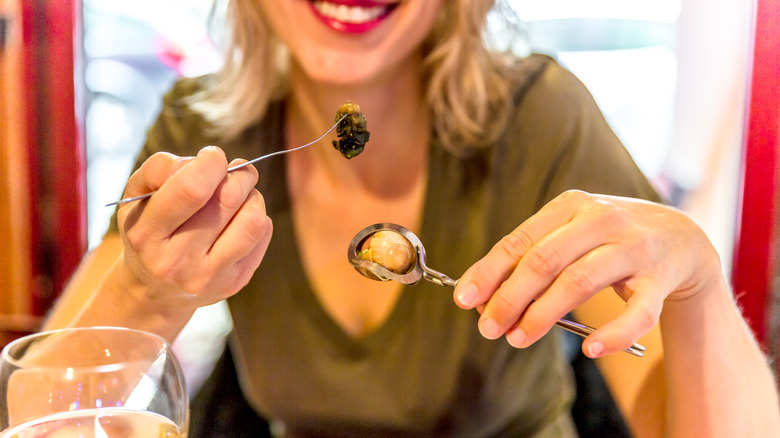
[{"x": 671, "y": 76}]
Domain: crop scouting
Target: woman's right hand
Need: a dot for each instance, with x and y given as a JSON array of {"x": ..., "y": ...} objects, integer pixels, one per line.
[{"x": 199, "y": 239}]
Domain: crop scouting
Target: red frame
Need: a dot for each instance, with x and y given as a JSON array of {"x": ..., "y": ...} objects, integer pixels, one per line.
[
  {"x": 68, "y": 149},
  {"x": 755, "y": 255},
  {"x": 56, "y": 150}
]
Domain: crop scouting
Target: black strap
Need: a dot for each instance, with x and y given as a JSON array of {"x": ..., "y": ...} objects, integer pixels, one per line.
[{"x": 219, "y": 409}]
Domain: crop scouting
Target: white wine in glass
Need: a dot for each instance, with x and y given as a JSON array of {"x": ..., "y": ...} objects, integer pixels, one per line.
[{"x": 101, "y": 382}]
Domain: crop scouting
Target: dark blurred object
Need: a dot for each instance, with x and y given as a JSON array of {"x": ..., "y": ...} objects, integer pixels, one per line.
[
  {"x": 219, "y": 410},
  {"x": 3, "y": 31},
  {"x": 594, "y": 412}
]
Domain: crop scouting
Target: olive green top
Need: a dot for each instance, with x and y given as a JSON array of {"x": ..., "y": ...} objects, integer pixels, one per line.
[{"x": 426, "y": 371}]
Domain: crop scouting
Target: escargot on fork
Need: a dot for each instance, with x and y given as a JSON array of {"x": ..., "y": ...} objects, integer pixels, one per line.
[{"x": 350, "y": 126}]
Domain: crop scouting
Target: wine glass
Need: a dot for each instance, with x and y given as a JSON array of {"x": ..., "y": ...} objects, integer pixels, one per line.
[{"x": 101, "y": 382}]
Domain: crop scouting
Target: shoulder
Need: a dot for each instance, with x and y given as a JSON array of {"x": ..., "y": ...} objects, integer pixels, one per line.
[
  {"x": 558, "y": 138},
  {"x": 550, "y": 109},
  {"x": 177, "y": 102},
  {"x": 179, "y": 129},
  {"x": 548, "y": 87}
]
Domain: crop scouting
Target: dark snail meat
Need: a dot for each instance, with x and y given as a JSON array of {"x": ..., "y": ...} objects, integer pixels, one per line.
[{"x": 352, "y": 131}]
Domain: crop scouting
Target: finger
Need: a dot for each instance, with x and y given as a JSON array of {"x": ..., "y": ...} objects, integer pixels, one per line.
[
  {"x": 189, "y": 189},
  {"x": 245, "y": 267},
  {"x": 478, "y": 283},
  {"x": 541, "y": 267},
  {"x": 153, "y": 173},
  {"x": 184, "y": 192},
  {"x": 578, "y": 282},
  {"x": 222, "y": 271},
  {"x": 641, "y": 314},
  {"x": 249, "y": 227},
  {"x": 201, "y": 230}
]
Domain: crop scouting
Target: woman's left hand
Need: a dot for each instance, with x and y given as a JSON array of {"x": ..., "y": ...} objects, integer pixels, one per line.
[{"x": 577, "y": 245}]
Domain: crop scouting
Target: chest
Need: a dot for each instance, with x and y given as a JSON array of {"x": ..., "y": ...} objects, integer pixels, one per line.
[
  {"x": 410, "y": 361},
  {"x": 326, "y": 216}
]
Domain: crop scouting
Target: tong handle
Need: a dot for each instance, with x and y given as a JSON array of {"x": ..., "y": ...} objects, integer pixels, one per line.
[{"x": 574, "y": 327}]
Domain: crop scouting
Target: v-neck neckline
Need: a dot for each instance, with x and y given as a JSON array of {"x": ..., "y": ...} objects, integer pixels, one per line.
[{"x": 302, "y": 286}]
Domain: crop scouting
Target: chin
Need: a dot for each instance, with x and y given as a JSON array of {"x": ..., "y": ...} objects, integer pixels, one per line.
[{"x": 351, "y": 70}]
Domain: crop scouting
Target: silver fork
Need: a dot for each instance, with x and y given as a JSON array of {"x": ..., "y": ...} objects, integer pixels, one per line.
[{"x": 238, "y": 166}]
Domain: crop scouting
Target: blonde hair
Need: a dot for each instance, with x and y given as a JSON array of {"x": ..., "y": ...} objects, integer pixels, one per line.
[{"x": 468, "y": 84}]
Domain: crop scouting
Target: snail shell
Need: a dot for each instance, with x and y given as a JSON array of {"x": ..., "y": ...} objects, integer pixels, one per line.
[{"x": 390, "y": 250}]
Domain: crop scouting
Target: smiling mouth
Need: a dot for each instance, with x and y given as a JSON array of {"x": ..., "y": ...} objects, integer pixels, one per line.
[{"x": 353, "y": 14}]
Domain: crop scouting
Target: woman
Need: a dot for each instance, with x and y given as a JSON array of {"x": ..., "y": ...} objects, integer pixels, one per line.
[{"x": 485, "y": 156}]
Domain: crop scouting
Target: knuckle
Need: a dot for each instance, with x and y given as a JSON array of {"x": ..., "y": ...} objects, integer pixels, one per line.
[
  {"x": 230, "y": 199},
  {"x": 573, "y": 197},
  {"x": 643, "y": 246},
  {"x": 196, "y": 281},
  {"x": 237, "y": 188},
  {"x": 134, "y": 238},
  {"x": 508, "y": 308},
  {"x": 616, "y": 218},
  {"x": 196, "y": 193},
  {"x": 257, "y": 226},
  {"x": 645, "y": 315},
  {"x": 158, "y": 164},
  {"x": 572, "y": 194},
  {"x": 195, "y": 285},
  {"x": 163, "y": 268},
  {"x": 544, "y": 260},
  {"x": 578, "y": 283},
  {"x": 516, "y": 243},
  {"x": 609, "y": 216}
]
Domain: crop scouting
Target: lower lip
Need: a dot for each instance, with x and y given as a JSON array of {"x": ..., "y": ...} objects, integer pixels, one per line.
[{"x": 354, "y": 28}]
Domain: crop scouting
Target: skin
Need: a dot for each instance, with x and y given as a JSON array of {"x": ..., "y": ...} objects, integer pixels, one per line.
[
  {"x": 330, "y": 57},
  {"x": 199, "y": 239},
  {"x": 576, "y": 246},
  {"x": 665, "y": 269}
]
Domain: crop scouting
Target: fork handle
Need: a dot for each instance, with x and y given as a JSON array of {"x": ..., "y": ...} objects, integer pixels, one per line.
[
  {"x": 584, "y": 330},
  {"x": 571, "y": 326}
]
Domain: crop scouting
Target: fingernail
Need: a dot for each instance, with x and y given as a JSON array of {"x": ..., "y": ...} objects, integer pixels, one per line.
[
  {"x": 206, "y": 149},
  {"x": 489, "y": 328},
  {"x": 595, "y": 349},
  {"x": 516, "y": 337},
  {"x": 467, "y": 294}
]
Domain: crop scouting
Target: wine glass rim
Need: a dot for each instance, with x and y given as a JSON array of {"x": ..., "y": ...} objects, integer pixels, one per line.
[{"x": 7, "y": 357}]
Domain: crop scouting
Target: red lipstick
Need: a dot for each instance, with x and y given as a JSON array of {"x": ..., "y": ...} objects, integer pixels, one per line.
[{"x": 351, "y": 16}]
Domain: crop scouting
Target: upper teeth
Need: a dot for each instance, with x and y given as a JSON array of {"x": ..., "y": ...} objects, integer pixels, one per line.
[{"x": 348, "y": 14}]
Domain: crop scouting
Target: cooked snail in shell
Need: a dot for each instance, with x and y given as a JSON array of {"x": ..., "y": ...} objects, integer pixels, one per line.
[{"x": 391, "y": 250}]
